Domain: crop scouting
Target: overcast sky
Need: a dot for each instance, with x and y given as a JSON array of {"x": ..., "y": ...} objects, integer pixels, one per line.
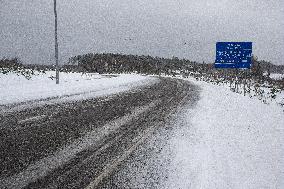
[{"x": 166, "y": 28}]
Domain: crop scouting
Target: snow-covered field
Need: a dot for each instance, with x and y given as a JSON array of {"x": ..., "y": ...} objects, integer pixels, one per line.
[
  {"x": 15, "y": 89},
  {"x": 228, "y": 141}
]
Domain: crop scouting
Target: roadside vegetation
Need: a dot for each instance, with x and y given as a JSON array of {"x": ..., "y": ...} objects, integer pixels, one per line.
[
  {"x": 255, "y": 83},
  {"x": 14, "y": 66}
]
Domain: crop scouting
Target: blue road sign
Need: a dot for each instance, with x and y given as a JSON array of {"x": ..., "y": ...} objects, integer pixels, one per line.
[{"x": 233, "y": 54}]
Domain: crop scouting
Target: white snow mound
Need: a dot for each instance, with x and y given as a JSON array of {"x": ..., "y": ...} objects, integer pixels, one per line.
[{"x": 16, "y": 89}]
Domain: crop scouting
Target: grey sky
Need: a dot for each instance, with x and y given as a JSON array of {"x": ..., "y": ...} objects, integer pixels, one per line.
[{"x": 182, "y": 28}]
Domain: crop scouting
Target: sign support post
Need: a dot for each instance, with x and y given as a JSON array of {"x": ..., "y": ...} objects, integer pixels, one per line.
[{"x": 56, "y": 45}]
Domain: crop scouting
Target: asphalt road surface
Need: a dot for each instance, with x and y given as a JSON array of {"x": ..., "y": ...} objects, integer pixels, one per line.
[{"x": 83, "y": 144}]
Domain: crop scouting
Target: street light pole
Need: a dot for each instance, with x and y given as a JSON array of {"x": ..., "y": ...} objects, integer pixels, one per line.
[{"x": 56, "y": 44}]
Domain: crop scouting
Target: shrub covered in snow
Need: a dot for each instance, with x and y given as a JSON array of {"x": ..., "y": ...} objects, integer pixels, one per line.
[{"x": 14, "y": 66}]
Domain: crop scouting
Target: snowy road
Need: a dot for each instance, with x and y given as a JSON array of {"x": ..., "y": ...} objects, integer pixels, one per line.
[{"x": 81, "y": 144}]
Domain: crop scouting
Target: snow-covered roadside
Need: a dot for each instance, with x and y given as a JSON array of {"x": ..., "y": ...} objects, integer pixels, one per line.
[
  {"x": 15, "y": 89},
  {"x": 228, "y": 141},
  {"x": 277, "y": 76}
]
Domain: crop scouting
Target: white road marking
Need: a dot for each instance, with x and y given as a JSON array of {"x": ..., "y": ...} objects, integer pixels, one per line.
[
  {"x": 112, "y": 166},
  {"x": 42, "y": 167},
  {"x": 31, "y": 119}
]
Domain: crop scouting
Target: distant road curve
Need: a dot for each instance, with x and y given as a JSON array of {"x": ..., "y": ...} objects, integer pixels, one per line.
[{"x": 79, "y": 144}]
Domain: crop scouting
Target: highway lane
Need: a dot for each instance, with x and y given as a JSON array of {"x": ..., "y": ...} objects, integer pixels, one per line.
[{"x": 80, "y": 144}]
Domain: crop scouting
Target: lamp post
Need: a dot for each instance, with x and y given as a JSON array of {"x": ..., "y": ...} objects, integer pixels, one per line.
[{"x": 56, "y": 44}]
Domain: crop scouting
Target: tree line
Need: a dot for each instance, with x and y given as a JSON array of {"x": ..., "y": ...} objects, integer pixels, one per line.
[{"x": 121, "y": 63}]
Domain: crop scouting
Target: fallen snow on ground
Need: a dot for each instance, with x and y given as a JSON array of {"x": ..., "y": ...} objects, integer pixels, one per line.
[
  {"x": 15, "y": 89},
  {"x": 228, "y": 141},
  {"x": 277, "y": 76}
]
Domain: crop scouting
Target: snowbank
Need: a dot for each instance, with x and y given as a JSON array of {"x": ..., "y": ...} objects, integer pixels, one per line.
[
  {"x": 15, "y": 89},
  {"x": 228, "y": 141},
  {"x": 277, "y": 76}
]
